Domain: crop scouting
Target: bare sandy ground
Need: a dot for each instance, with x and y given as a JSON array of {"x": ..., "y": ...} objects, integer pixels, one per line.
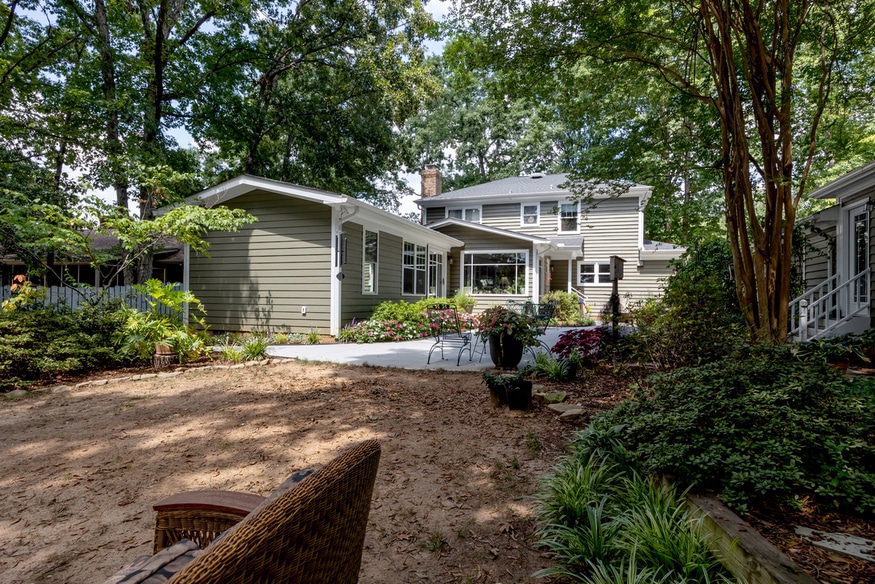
[{"x": 79, "y": 470}]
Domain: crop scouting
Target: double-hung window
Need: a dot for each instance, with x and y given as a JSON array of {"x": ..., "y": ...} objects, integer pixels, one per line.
[
  {"x": 495, "y": 272},
  {"x": 471, "y": 214},
  {"x": 370, "y": 259},
  {"x": 593, "y": 273},
  {"x": 568, "y": 217},
  {"x": 529, "y": 214},
  {"x": 413, "y": 269}
]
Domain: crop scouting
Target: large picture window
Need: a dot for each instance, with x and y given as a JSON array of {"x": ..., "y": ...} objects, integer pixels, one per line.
[
  {"x": 413, "y": 277},
  {"x": 495, "y": 273},
  {"x": 568, "y": 215},
  {"x": 593, "y": 273},
  {"x": 371, "y": 254}
]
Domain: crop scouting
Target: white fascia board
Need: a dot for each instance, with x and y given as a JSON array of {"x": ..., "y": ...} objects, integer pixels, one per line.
[
  {"x": 848, "y": 184},
  {"x": 374, "y": 218},
  {"x": 243, "y": 184}
]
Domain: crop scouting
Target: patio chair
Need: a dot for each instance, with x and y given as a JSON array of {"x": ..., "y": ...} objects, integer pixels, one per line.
[
  {"x": 448, "y": 333},
  {"x": 310, "y": 530}
]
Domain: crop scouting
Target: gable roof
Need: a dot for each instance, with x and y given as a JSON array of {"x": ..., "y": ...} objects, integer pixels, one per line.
[
  {"x": 348, "y": 206},
  {"x": 487, "y": 229},
  {"x": 519, "y": 187}
]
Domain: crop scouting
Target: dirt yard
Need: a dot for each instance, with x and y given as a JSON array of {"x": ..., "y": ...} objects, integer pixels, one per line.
[{"x": 80, "y": 469}]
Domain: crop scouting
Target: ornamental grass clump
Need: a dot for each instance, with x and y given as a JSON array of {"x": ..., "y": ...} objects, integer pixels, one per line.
[
  {"x": 606, "y": 522},
  {"x": 500, "y": 321}
]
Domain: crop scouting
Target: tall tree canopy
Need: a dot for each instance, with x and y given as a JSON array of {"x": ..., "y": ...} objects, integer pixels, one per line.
[
  {"x": 766, "y": 70},
  {"x": 309, "y": 92}
]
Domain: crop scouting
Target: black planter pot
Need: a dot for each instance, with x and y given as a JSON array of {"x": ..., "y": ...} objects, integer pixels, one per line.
[
  {"x": 506, "y": 352},
  {"x": 519, "y": 396}
]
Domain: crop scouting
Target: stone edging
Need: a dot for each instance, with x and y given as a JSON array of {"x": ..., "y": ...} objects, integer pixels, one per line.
[
  {"x": 746, "y": 553},
  {"x": 162, "y": 375}
]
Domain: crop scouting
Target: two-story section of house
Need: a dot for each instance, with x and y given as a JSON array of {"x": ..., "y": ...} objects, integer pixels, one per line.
[{"x": 527, "y": 235}]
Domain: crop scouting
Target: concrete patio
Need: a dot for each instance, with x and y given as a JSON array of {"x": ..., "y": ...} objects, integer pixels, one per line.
[{"x": 406, "y": 355}]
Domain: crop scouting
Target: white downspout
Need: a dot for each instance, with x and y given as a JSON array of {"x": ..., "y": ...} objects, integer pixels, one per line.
[
  {"x": 536, "y": 274},
  {"x": 335, "y": 284}
]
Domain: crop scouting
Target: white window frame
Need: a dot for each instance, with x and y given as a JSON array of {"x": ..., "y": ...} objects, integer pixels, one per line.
[
  {"x": 376, "y": 263},
  {"x": 465, "y": 271},
  {"x": 417, "y": 252},
  {"x": 599, "y": 278},
  {"x": 577, "y": 217},
  {"x": 463, "y": 211},
  {"x": 523, "y": 214}
]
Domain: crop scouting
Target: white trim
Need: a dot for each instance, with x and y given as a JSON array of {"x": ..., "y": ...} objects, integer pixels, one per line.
[
  {"x": 478, "y": 208},
  {"x": 335, "y": 290},
  {"x": 559, "y": 218},
  {"x": 537, "y": 206},
  {"x": 376, "y": 278},
  {"x": 536, "y": 274},
  {"x": 596, "y": 264},
  {"x": 487, "y": 229},
  {"x": 416, "y": 245},
  {"x": 846, "y": 268},
  {"x": 505, "y": 251},
  {"x": 186, "y": 282}
]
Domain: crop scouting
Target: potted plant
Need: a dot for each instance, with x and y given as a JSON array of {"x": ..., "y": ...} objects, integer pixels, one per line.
[{"x": 508, "y": 333}]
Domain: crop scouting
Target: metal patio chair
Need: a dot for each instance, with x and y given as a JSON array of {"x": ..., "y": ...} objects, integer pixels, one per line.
[{"x": 447, "y": 330}]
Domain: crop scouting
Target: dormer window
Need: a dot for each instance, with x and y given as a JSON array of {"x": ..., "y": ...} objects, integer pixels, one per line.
[
  {"x": 529, "y": 214},
  {"x": 471, "y": 214},
  {"x": 568, "y": 214}
]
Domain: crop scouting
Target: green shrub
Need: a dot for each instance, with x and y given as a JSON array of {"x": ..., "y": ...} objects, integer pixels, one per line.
[
  {"x": 757, "y": 425},
  {"x": 400, "y": 311},
  {"x": 697, "y": 319},
  {"x": 567, "y": 305},
  {"x": 35, "y": 344}
]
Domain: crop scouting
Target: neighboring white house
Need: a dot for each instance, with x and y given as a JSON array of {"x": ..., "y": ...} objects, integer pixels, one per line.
[
  {"x": 837, "y": 274},
  {"x": 526, "y": 235}
]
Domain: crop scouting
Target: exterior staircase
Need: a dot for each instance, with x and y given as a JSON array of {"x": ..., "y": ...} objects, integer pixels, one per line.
[{"x": 823, "y": 310}]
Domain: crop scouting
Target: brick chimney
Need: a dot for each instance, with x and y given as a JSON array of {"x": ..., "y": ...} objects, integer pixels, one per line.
[{"x": 432, "y": 181}]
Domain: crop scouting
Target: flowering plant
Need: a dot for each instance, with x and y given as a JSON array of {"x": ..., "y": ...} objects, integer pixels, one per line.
[{"x": 498, "y": 320}]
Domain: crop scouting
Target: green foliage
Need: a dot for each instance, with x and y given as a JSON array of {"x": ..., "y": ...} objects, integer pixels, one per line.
[
  {"x": 35, "y": 344},
  {"x": 403, "y": 321},
  {"x": 605, "y": 522},
  {"x": 498, "y": 321},
  {"x": 546, "y": 365},
  {"x": 463, "y": 301},
  {"x": 697, "y": 319},
  {"x": 255, "y": 347},
  {"x": 757, "y": 424},
  {"x": 163, "y": 323},
  {"x": 567, "y": 305},
  {"x": 312, "y": 337}
]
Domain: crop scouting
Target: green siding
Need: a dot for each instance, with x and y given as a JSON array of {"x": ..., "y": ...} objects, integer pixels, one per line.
[
  {"x": 260, "y": 277},
  {"x": 355, "y": 304}
]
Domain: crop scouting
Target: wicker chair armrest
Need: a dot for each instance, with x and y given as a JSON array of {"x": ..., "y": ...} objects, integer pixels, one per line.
[{"x": 202, "y": 516}]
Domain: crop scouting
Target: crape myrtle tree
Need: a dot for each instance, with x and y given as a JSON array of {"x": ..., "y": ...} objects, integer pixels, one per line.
[{"x": 766, "y": 70}]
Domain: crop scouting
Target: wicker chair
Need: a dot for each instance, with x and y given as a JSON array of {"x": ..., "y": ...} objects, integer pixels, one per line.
[{"x": 309, "y": 530}]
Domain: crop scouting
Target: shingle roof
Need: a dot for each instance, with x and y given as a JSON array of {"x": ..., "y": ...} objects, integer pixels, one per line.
[{"x": 535, "y": 184}]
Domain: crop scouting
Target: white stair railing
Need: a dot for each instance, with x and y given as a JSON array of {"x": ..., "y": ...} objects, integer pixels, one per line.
[{"x": 825, "y": 307}]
